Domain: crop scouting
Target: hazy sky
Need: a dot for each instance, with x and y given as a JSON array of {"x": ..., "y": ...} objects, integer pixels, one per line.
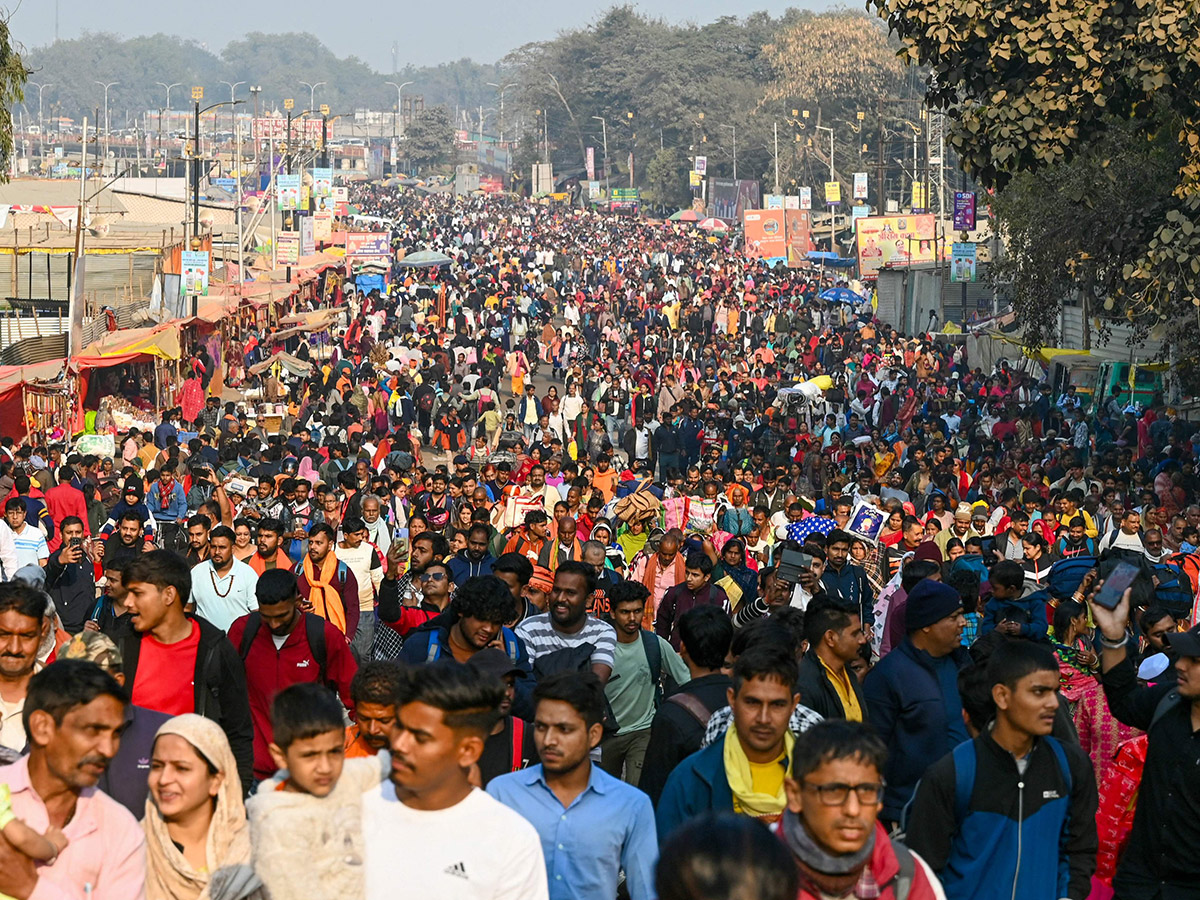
[{"x": 427, "y": 33}]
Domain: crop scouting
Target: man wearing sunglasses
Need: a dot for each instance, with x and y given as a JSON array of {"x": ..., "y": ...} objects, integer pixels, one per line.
[{"x": 830, "y": 823}]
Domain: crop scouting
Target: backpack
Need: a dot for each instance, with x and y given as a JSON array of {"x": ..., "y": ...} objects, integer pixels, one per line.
[
  {"x": 1173, "y": 590},
  {"x": 314, "y": 631},
  {"x": 1067, "y": 574},
  {"x": 574, "y": 659},
  {"x": 434, "y": 653},
  {"x": 654, "y": 658}
]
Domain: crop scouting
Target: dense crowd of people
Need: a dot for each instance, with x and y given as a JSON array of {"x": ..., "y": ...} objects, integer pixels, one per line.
[{"x": 600, "y": 562}]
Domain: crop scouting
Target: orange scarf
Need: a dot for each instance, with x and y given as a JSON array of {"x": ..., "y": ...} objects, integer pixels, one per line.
[
  {"x": 650, "y": 577},
  {"x": 324, "y": 597}
]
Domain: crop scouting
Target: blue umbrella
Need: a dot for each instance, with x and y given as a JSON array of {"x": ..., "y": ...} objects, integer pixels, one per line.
[
  {"x": 806, "y": 527},
  {"x": 841, "y": 295}
]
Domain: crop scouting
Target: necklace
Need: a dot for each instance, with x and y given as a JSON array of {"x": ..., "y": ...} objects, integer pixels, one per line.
[{"x": 212, "y": 575}]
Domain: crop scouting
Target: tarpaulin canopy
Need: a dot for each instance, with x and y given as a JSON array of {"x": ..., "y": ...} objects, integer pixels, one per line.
[
  {"x": 293, "y": 364},
  {"x": 832, "y": 259},
  {"x": 130, "y": 345}
]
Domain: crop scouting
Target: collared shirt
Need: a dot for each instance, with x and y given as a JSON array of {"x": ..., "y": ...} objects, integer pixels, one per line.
[
  {"x": 609, "y": 826},
  {"x": 107, "y": 848},
  {"x": 12, "y": 728},
  {"x": 845, "y": 691}
]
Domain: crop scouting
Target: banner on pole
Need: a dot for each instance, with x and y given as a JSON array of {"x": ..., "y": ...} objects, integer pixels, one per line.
[
  {"x": 964, "y": 211},
  {"x": 860, "y": 185},
  {"x": 806, "y": 198},
  {"x": 962, "y": 263}
]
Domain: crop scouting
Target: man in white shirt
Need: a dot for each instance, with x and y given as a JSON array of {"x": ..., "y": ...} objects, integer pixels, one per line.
[
  {"x": 223, "y": 587},
  {"x": 364, "y": 561},
  {"x": 459, "y": 843},
  {"x": 29, "y": 541}
]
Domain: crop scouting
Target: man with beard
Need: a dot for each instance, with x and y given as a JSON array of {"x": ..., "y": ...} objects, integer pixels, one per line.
[
  {"x": 127, "y": 542},
  {"x": 474, "y": 559},
  {"x": 22, "y": 612},
  {"x": 592, "y": 825},
  {"x": 269, "y": 555},
  {"x": 281, "y": 646},
  {"x": 458, "y": 841},
  {"x": 74, "y": 714},
  {"x": 567, "y": 624},
  {"x": 396, "y": 591}
]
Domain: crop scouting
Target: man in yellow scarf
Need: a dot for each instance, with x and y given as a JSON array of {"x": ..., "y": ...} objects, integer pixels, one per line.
[{"x": 744, "y": 769}]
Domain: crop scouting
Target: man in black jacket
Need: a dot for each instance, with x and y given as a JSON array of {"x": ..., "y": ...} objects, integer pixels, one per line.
[
  {"x": 678, "y": 727},
  {"x": 71, "y": 578},
  {"x": 827, "y": 685},
  {"x": 176, "y": 663}
]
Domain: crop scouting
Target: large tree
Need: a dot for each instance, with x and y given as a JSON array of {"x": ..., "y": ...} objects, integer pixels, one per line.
[
  {"x": 1037, "y": 87},
  {"x": 429, "y": 139},
  {"x": 13, "y": 75}
]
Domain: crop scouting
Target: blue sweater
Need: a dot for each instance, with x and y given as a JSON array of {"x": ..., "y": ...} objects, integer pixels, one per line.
[{"x": 698, "y": 784}]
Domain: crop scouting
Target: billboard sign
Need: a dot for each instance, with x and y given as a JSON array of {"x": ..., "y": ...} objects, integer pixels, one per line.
[
  {"x": 765, "y": 235},
  {"x": 833, "y": 192},
  {"x": 962, "y": 263},
  {"x": 773, "y": 201},
  {"x": 322, "y": 185},
  {"x": 591, "y": 163},
  {"x": 731, "y": 198},
  {"x": 287, "y": 248},
  {"x": 860, "y": 185},
  {"x": 323, "y": 226},
  {"x": 701, "y": 166},
  {"x": 893, "y": 240},
  {"x": 287, "y": 191},
  {"x": 193, "y": 278},
  {"x": 798, "y": 229},
  {"x": 964, "y": 211},
  {"x": 367, "y": 243}
]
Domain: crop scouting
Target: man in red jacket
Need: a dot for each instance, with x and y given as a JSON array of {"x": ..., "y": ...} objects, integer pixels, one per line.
[
  {"x": 834, "y": 793},
  {"x": 280, "y": 646},
  {"x": 64, "y": 500}
]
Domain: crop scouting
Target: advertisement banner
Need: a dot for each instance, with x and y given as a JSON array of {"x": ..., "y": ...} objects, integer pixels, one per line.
[
  {"x": 287, "y": 248},
  {"x": 287, "y": 191},
  {"x": 367, "y": 243},
  {"x": 694, "y": 179},
  {"x": 962, "y": 263},
  {"x": 798, "y": 224},
  {"x": 322, "y": 185},
  {"x": 860, "y": 185},
  {"x": 308, "y": 238},
  {"x": 765, "y": 237},
  {"x": 729, "y": 198},
  {"x": 964, "y": 211},
  {"x": 591, "y": 163},
  {"x": 341, "y": 194},
  {"x": 893, "y": 240},
  {"x": 859, "y": 212},
  {"x": 833, "y": 192},
  {"x": 701, "y": 166},
  {"x": 193, "y": 278},
  {"x": 773, "y": 201},
  {"x": 791, "y": 201},
  {"x": 920, "y": 198},
  {"x": 323, "y": 226},
  {"x": 806, "y": 198},
  {"x": 275, "y": 128}
]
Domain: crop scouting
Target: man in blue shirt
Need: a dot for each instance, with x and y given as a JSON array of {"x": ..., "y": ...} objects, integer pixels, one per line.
[{"x": 591, "y": 824}]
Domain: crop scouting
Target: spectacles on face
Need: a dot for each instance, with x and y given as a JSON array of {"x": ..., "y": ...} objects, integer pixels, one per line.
[
  {"x": 836, "y": 793},
  {"x": 432, "y": 576}
]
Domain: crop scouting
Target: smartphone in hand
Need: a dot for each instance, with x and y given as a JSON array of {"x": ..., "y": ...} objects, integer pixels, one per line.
[{"x": 1117, "y": 582}]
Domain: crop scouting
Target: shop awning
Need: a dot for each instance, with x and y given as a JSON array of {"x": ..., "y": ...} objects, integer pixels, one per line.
[{"x": 131, "y": 345}]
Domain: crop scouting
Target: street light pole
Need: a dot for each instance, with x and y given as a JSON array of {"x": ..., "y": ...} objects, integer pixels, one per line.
[
  {"x": 604, "y": 133},
  {"x": 41, "y": 127},
  {"x": 733, "y": 128},
  {"x": 396, "y": 121},
  {"x": 501, "y": 88},
  {"x": 163, "y": 84},
  {"x": 312, "y": 93},
  {"x": 106, "y": 86},
  {"x": 832, "y": 216},
  {"x": 233, "y": 86}
]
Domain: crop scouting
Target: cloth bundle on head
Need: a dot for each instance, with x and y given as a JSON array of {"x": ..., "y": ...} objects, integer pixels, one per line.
[
  {"x": 228, "y": 875},
  {"x": 542, "y": 580},
  {"x": 929, "y": 602}
]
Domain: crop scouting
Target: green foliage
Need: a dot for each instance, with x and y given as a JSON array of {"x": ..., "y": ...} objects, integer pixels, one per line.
[
  {"x": 666, "y": 180},
  {"x": 429, "y": 139},
  {"x": 1035, "y": 88},
  {"x": 276, "y": 62},
  {"x": 13, "y": 75}
]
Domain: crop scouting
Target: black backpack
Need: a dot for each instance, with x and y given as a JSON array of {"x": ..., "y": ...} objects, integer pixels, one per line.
[
  {"x": 314, "y": 631},
  {"x": 573, "y": 659}
]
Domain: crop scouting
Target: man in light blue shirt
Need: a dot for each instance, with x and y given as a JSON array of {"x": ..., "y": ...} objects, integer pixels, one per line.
[{"x": 592, "y": 825}]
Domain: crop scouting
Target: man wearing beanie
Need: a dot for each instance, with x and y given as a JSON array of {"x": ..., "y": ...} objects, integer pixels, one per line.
[{"x": 912, "y": 694}]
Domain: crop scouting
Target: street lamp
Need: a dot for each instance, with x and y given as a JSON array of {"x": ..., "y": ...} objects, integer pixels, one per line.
[
  {"x": 399, "y": 88},
  {"x": 501, "y": 88},
  {"x": 832, "y": 216},
  {"x": 733, "y": 128},
  {"x": 41, "y": 127},
  {"x": 312, "y": 93},
  {"x": 604, "y": 132},
  {"x": 233, "y": 86},
  {"x": 106, "y": 86},
  {"x": 197, "y": 96},
  {"x": 167, "y": 87}
]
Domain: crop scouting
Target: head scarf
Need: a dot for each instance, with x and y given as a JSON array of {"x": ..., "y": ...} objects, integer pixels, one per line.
[{"x": 229, "y": 875}]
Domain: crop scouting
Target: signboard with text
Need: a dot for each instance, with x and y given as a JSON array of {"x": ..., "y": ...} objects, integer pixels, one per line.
[
  {"x": 833, "y": 192},
  {"x": 962, "y": 263},
  {"x": 806, "y": 198},
  {"x": 322, "y": 185},
  {"x": 893, "y": 240},
  {"x": 287, "y": 248},
  {"x": 964, "y": 211},
  {"x": 367, "y": 243},
  {"x": 765, "y": 237},
  {"x": 193, "y": 276},
  {"x": 287, "y": 191},
  {"x": 860, "y": 185}
]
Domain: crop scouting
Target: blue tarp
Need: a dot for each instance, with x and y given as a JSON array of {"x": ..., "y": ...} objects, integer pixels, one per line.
[
  {"x": 367, "y": 282},
  {"x": 832, "y": 259}
]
